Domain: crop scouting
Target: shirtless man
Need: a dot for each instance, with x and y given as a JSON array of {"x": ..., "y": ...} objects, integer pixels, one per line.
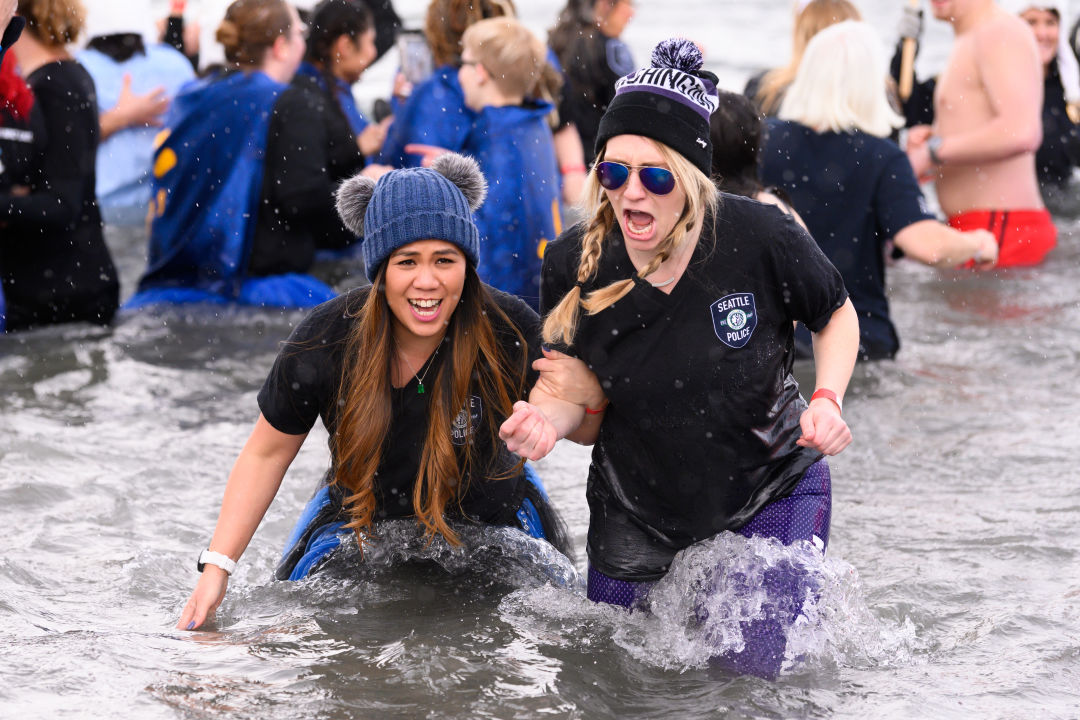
[{"x": 988, "y": 125}]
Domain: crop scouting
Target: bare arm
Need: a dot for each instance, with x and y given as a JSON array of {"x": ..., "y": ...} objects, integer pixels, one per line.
[
  {"x": 933, "y": 243},
  {"x": 556, "y": 408},
  {"x": 835, "y": 350},
  {"x": 570, "y": 154},
  {"x": 252, "y": 485},
  {"x": 1010, "y": 72},
  {"x": 568, "y": 378}
]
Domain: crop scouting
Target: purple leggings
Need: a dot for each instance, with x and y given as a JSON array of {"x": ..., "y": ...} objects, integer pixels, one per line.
[{"x": 802, "y": 515}]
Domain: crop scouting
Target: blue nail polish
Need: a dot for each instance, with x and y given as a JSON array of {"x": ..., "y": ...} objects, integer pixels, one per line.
[{"x": 191, "y": 625}]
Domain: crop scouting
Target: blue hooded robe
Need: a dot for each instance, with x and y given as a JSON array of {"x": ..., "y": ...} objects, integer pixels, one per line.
[
  {"x": 521, "y": 213},
  {"x": 207, "y": 179},
  {"x": 434, "y": 114}
]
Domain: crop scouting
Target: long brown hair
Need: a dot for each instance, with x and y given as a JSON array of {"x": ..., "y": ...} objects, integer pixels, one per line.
[
  {"x": 812, "y": 19},
  {"x": 473, "y": 362},
  {"x": 560, "y": 325},
  {"x": 447, "y": 20}
]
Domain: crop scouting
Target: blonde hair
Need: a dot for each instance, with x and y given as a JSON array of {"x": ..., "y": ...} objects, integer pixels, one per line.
[
  {"x": 512, "y": 55},
  {"x": 560, "y": 325},
  {"x": 810, "y": 19},
  {"x": 841, "y": 84},
  {"x": 54, "y": 23}
]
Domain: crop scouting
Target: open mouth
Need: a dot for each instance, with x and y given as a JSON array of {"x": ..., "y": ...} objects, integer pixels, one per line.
[
  {"x": 425, "y": 308},
  {"x": 640, "y": 225}
]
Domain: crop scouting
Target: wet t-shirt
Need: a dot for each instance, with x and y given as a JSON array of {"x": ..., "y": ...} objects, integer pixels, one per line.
[
  {"x": 854, "y": 191},
  {"x": 704, "y": 412},
  {"x": 304, "y": 385}
]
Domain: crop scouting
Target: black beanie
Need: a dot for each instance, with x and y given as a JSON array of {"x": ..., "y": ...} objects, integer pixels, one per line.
[{"x": 670, "y": 101}]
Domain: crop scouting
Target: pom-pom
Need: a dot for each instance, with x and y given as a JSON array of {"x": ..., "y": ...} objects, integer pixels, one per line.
[
  {"x": 353, "y": 197},
  {"x": 465, "y": 173},
  {"x": 677, "y": 53}
]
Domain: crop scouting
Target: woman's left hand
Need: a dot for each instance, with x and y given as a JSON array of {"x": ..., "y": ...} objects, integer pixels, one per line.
[
  {"x": 823, "y": 429},
  {"x": 528, "y": 432},
  {"x": 568, "y": 378}
]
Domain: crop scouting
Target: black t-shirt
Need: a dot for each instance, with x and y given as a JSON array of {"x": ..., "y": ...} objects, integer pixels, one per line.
[
  {"x": 310, "y": 148},
  {"x": 591, "y": 64},
  {"x": 17, "y": 146},
  {"x": 1059, "y": 152},
  {"x": 854, "y": 191},
  {"x": 700, "y": 433},
  {"x": 56, "y": 266},
  {"x": 305, "y": 381}
]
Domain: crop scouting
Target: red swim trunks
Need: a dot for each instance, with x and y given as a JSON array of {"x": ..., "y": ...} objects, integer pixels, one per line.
[{"x": 1024, "y": 236}]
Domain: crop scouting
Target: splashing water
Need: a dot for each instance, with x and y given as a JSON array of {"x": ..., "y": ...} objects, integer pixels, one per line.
[
  {"x": 510, "y": 555},
  {"x": 811, "y": 608}
]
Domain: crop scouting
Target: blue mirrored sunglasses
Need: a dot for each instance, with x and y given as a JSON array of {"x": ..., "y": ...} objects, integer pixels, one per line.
[{"x": 657, "y": 180}]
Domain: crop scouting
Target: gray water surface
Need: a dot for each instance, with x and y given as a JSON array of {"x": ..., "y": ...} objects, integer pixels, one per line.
[{"x": 951, "y": 588}]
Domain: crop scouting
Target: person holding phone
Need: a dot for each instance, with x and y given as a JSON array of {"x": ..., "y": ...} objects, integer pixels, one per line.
[{"x": 434, "y": 112}]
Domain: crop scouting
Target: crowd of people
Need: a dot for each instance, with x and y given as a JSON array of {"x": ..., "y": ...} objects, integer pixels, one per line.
[{"x": 487, "y": 332}]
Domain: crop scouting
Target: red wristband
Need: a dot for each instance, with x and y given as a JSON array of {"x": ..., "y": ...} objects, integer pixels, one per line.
[
  {"x": 573, "y": 169},
  {"x": 828, "y": 395},
  {"x": 602, "y": 408}
]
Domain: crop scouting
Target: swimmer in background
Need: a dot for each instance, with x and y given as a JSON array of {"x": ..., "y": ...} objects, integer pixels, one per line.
[
  {"x": 767, "y": 88},
  {"x": 412, "y": 377},
  {"x": 829, "y": 152},
  {"x": 736, "y": 129},
  {"x": 1059, "y": 153},
  {"x": 56, "y": 267},
  {"x": 434, "y": 111},
  {"x": 682, "y": 303},
  {"x": 135, "y": 82},
  {"x": 987, "y": 127},
  {"x": 210, "y": 241},
  {"x": 502, "y": 63}
]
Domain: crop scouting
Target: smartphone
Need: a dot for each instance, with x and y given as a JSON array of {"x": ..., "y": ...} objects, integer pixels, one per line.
[{"x": 416, "y": 61}]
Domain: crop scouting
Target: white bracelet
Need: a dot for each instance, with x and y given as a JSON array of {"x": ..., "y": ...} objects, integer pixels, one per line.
[{"x": 209, "y": 557}]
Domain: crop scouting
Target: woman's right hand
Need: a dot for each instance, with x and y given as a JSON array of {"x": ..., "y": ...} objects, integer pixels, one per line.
[
  {"x": 528, "y": 432},
  {"x": 205, "y": 599}
]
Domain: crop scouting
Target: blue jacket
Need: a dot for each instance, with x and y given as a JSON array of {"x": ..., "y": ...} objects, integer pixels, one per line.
[
  {"x": 207, "y": 179},
  {"x": 434, "y": 114},
  {"x": 521, "y": 214}
]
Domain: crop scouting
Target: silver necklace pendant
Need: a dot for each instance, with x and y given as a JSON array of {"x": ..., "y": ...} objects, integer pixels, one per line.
[{"x": 420, "y": 378}]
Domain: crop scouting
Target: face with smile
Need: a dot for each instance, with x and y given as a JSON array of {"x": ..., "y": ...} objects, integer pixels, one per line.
[
  {"x": 1047, "y": 28},
  {"x": 644, "y": 218},
  {"x": 424, "y": 281}
]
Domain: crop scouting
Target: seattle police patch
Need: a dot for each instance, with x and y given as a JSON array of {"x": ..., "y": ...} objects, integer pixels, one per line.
[
  {"x": 466, "y": 422},
  {"x": 734, "y": 318}
]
